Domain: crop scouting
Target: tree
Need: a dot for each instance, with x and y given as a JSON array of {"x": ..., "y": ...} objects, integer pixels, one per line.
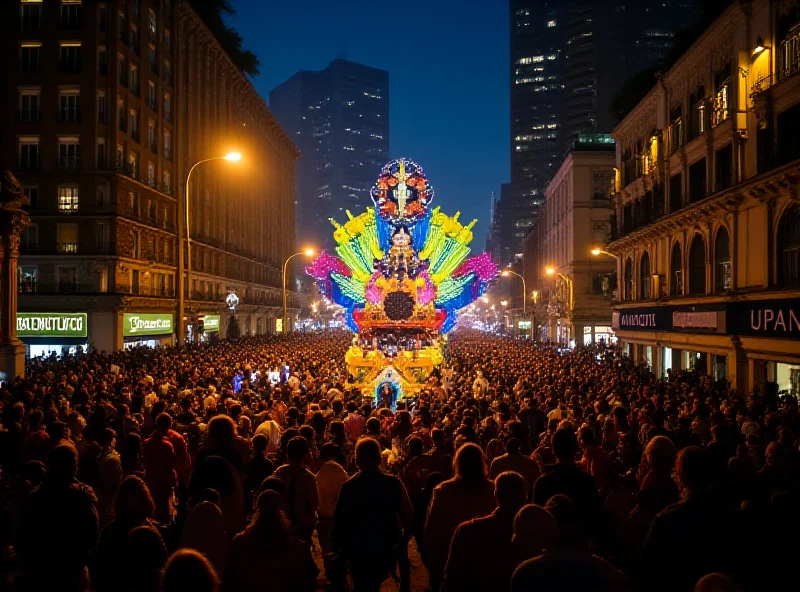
[{"x": 213, "y": 13}]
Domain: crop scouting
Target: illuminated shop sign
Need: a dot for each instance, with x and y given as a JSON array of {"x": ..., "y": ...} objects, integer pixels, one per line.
[
  {"x": 136, "y": 324},
  {"x": 51, "y": 324}
]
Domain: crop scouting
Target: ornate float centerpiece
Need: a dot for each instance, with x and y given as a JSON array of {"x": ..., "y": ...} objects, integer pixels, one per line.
[{"x": 402, "y": 273}]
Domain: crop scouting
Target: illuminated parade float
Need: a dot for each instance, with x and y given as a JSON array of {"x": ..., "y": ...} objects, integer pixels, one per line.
[{"x": 402, "y": 273}]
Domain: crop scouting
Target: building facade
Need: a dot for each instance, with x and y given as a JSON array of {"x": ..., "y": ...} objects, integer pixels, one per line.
[
  {"x": 707, "y": 220},
  {"x": 572, "y": 303},
  {"x": 568, "y": 60},
  {"x": 106, "y": 106},
  {"x": 339, "y": 118}
]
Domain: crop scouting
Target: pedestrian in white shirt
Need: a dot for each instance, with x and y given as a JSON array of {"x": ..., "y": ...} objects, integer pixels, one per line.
[{"x": 330, "y": 478}]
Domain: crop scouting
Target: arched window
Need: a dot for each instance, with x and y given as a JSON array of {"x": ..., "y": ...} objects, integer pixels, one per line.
[
  {"x": 676, "y": 271},
  {"x": 789, "y": 248},
  {"x": 644, "y": 277},
  {"x": 628, "y": 287},
  {"x": 722, "y": 261},
  {"x": 697, "y": 266}
]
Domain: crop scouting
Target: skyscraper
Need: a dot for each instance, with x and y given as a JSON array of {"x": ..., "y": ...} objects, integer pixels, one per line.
[
  {"x": 568, "y": 59},
  {"x": 339, "y": 118}
]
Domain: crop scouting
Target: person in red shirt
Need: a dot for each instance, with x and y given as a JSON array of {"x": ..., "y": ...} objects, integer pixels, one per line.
[{"x": 160, "y": 467}]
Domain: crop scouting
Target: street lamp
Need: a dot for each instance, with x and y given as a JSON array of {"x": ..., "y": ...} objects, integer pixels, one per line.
[
  {"x": 597, "y": 252},
  {"x": 504, "y": 302},
  {"x": 506, "y": 273},
  {"x": 552, "y": 271},
  {"x": 184, "y": 274},
  {"x": 307, "y": 253},
  {"x": 485, "y": 300}
]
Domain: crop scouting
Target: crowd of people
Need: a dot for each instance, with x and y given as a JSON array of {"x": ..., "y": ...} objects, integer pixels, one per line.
[{"x": 255, "y": 464}]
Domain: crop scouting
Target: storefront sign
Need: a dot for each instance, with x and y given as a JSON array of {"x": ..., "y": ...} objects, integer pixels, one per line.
[
  {"x": 765, "y": 318},
  {"x": 524, "y": 324},
  {"x": 656, "y": 318},
  {"x": 695, "y": 320},
  {"x": 136, "y": 324},
  {"x": 51, "y": 324},
  {"x": 211, "y": 323}
]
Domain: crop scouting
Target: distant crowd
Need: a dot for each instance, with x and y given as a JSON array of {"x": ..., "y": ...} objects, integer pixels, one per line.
[{"x": 255, "y": 464}]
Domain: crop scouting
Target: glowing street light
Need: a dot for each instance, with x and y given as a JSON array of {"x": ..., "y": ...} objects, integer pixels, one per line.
[
  {"x": 597, "y": 252},
  {"x": 504, "y": 302},
  {"x": 308, "y": 253},
  {"x": 186, "y": 272}
]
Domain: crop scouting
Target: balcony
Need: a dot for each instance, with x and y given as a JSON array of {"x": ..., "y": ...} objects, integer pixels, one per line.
[
  {"x": 66, "y": 248},
  {"x": 69, "y": 116},
  {"x": 789, "y": 54},
  {"x": 28, "y": 116},
  {"x": 96, "y": 248},
  {"x": 69, "y": 163},
  {"x": 50, "y": 288}
]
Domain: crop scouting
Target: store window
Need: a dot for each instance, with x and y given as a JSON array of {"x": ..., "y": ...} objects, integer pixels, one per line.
[
  {"x": 722, "y": 261},
  {"x": 628, "y": 284},
  {"x": 697, "y": 266},
  {"x": 644, "y": 278},
  {"x": 676, "y": 271},
  {"x": 789, "y": 248}
]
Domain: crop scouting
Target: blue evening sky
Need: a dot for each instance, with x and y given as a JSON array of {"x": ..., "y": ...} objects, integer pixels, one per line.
[{"x": 448, "y": 67}]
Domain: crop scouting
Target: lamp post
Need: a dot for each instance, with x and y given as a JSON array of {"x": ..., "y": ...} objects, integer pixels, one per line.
[
  {"x": 597, "y": 252},
  {"x": 184, "y": 273},
  {"x": 568, "y": 281},
  {"x": 506, "y": 273},
  {"x": 307, "y": 253}
]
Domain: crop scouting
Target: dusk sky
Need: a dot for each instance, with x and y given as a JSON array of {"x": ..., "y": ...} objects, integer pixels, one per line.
[{"x": 448, "y": 67}]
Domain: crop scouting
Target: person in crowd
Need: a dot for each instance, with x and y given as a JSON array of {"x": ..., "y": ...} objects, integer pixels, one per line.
[
  {"x": 59, "y": 528},
  {"x": 567, "y": 564},
  {"x": 301, "y": 497},
  {"x": 221, "y": 441},
  {"x": 189, "y": 570},
  {"x": 564, "y": 477},
  {"x": 161, "y": 467},
  {"x": 134, "y": 507},
  {"x": 144, "y": 558},
  {"x": 330, "y": 477},
  {"x": 204, "y": 530},
  {"x": 469, "y": 494},
  {"x": 696, "y": 536},
  {"x": 372, "y": 519},
  {"x": 266, "y": 554},
  {"x": 514, "y": 460},
  {"x": 487, "y": 540},
  {"x": 535, "y": 529}
]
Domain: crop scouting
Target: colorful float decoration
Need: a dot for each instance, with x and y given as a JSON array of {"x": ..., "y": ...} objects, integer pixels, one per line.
[{"x": 402, "y": 272}]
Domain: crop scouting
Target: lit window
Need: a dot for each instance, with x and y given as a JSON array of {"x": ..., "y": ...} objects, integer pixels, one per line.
[
  {"x": 530, "y": 60},
  {"x": 551, "y": 24},
  {"x": 67, "y": 200}
]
